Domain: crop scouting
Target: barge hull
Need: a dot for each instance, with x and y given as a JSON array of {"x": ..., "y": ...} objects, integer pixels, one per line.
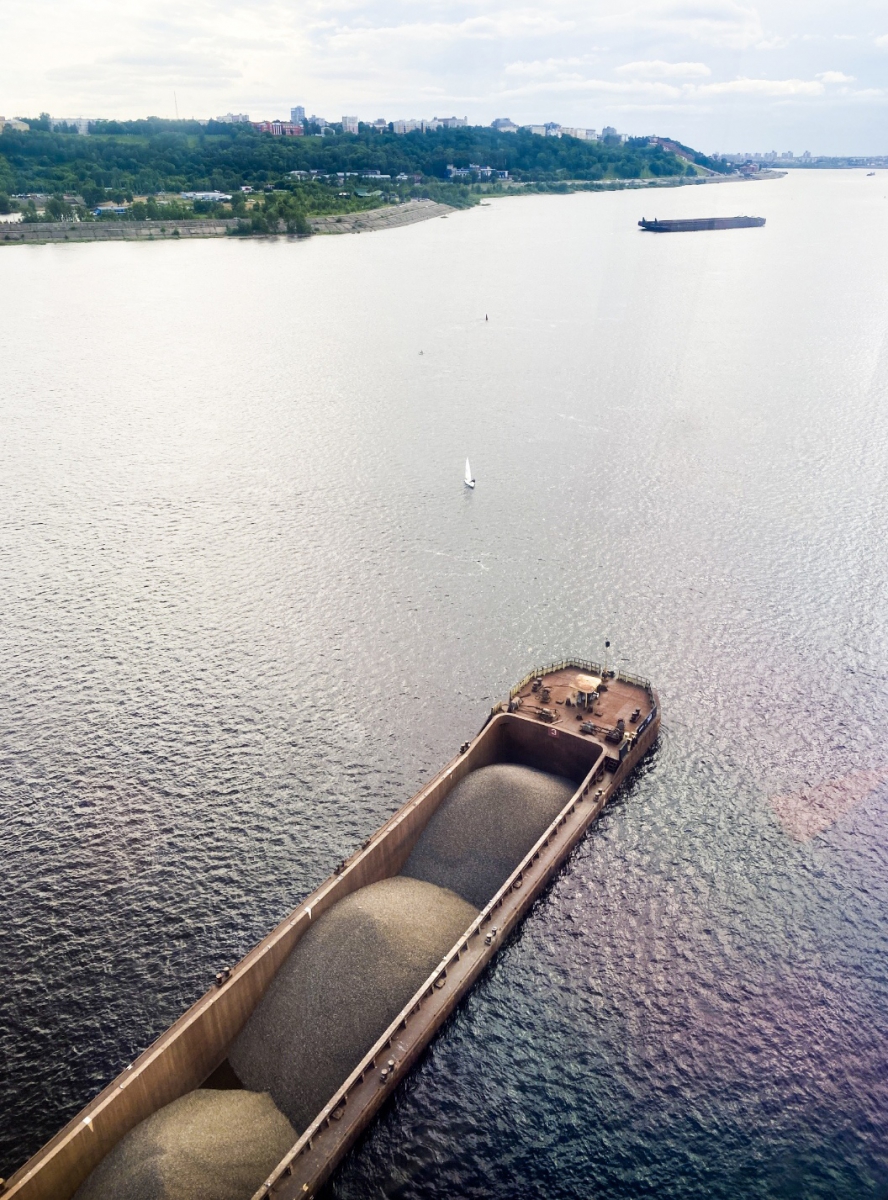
[
  {"x": 322, "y": 1147},
  {"x": 697, "y": 223},
  {"x": 194, "y": 1050},
  {"x": 690, "y": 225}
]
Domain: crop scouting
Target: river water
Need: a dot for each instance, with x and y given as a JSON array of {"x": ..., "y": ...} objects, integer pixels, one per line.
[{"x": 248, "y": 608}]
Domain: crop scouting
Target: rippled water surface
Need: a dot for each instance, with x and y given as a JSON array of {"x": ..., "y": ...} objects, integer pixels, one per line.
[{"x": 248, "y": 607}]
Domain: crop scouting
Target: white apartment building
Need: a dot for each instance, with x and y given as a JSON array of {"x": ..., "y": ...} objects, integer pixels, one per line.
[{"x": 81, "y": 124}]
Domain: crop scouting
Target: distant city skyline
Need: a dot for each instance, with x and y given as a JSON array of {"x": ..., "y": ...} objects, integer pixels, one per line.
[
  {"x": 718, "y": 76},
  {"x": 349, "y": 124}
]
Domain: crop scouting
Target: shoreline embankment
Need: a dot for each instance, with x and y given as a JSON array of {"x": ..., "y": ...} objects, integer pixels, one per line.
[
  {"x": 43, "y": 232},
  {"x": 389, "y": 216}
]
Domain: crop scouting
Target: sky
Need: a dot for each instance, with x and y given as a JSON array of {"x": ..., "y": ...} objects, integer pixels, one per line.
[{"x": 716, "y": 74}]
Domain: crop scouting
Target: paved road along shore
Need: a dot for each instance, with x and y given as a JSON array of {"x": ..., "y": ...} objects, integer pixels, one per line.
[{"x": 147, "y": 231}]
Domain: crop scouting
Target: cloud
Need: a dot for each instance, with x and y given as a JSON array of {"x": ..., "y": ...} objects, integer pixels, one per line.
[
  {"x": 569, "y": 60},
  {"x": 719, "y": 23},
  {"x": 549, "y": 68},
  {"x": 658, "y": 69},
  {"x": 604, "y": 88},
  {"x": 763, "y": 87}
]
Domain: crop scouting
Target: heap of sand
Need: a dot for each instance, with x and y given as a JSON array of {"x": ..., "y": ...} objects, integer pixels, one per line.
[
  {"x": 345, "y": 981},
  {"x": 208, "y": 1145},
  {"x": 485, "y": 827}
]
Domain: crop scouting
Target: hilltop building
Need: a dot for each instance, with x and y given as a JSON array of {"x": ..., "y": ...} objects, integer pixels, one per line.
[
  {"x": 278, "y": 128},
  {"x": 349, "y": 124},
  {"x": 235, "y": 119},
  {"x": 297, "y": 114}
]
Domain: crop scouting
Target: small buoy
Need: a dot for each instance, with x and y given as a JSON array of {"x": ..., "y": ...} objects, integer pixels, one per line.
[
  {"x": 486, "y": 318},
  {"x": 420, "y": 352}
]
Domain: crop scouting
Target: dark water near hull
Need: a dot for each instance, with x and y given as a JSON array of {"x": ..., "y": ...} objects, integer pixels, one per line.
[{"x": 235, "y": 550}]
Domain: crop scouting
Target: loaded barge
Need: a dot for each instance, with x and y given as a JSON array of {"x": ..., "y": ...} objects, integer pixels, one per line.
[
  {"x": 571, "y": 725},
  {"x": 691, "y": 224}
]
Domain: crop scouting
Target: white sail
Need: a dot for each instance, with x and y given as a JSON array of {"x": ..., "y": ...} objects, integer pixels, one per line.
[{"x": 470, "y": 482}]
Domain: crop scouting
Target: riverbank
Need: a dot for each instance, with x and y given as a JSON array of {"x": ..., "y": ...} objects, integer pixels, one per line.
[
  {"x": 388, "y": 217},
  {"x": 562, "y": 187},
  {"x": 42, "y": 232}
]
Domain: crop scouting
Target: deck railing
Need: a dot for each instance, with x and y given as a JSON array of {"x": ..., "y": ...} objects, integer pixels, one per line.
[{"x": 582, "y": 664}]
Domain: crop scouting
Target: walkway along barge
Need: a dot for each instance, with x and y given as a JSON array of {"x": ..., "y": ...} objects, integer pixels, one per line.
[{"x": 572, "y": 718}]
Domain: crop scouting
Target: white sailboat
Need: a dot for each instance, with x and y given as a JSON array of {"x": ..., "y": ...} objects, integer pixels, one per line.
[{"x": 469, "y": 480}]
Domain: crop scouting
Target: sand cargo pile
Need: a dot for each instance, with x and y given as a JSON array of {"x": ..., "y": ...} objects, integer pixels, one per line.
[
  {"x": 208, "y": 1143},
  {"x": 485, "y": 827},
  {"x": 267, "y": 1081},
  {"x": 344, "y": 983}
]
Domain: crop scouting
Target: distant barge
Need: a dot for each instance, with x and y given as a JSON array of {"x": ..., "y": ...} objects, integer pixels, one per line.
[
  {"x": 687, "y": 226},
  {"x": 572, "y": 718}
]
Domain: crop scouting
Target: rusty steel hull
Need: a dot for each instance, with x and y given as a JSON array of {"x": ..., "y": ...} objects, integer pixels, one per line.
[{"x": 195, "y": 1048}]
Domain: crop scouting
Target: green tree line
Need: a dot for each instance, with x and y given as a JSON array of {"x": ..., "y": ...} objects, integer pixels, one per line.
[{"x": 151, "y": 156}]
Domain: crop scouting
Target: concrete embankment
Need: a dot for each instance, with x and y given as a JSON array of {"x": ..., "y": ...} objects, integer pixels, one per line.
[
  {"x": 111, "y": 231},
  {"x": 39, "y": 233}
]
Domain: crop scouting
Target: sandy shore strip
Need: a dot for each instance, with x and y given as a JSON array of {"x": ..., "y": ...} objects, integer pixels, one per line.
[{"x": 382, "y": 218}]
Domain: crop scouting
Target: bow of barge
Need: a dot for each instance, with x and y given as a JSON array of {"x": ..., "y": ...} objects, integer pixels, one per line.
[{"x": 572, "y": 718}]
